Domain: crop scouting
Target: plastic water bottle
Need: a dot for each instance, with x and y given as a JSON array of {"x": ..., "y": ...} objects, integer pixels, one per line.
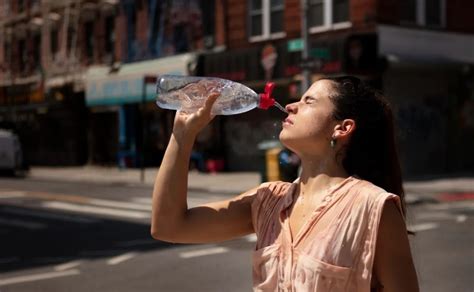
[{"x": 189, "y": 93}]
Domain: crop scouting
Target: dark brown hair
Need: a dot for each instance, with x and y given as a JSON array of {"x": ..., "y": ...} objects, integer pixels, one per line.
[{"x": 371, "y": 153}]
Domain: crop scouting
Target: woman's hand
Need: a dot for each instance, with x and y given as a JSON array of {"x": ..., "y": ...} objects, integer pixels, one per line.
[{"x": 187, "y": 126}]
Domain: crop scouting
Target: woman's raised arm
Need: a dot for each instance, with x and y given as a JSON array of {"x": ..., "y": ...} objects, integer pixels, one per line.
[{"x": 171, "y": 220}]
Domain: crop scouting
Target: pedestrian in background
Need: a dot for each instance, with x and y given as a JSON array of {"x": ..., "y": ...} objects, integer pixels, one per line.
[{"x": 339, "y": 227}]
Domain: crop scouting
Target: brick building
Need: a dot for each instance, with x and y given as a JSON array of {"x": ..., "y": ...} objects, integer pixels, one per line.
[
  {"x": 52, "y": 53},
  {"x": 71, "y": 72},
  {"x": 419, "y": 52}
]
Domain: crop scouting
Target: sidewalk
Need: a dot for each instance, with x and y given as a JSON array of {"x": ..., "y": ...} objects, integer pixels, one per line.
[
  {"x": 229, "y": 182},
  {"x": 226, "y": 182}
]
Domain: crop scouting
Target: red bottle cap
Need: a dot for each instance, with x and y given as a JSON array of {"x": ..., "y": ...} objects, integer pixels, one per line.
[{"x": 266, "y": 100}]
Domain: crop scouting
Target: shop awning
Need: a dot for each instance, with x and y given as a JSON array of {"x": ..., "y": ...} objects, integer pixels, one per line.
[
  {"x": 418, "y": 45},
  {"x": 125, "y": 85}
]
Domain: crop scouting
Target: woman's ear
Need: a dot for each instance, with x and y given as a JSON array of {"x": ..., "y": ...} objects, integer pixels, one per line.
[{"x": 344, "y": 129}]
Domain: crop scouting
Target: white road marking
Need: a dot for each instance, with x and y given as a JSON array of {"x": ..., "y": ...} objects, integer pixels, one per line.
[
  {"x": 46, "y": 215},
  {"x": 435, "y": 216},
  {"x": 203, "y": 252},
  {"x": 422, "y": 227},
  {"x": 123, "y": 205},
  {"x": 121, "y": 258},
  {"x": 465, "y": 205},
  {"x": 37, "y": 277},
  {"x": 11, "y": 194},
  {"x": 67, "y": 266},
  {"x": 137, "y": 242},
  {"x": 251, "y": 238},
  {"x": 95, "y": 210},
  {"x": 142, "y": 200},
  {"x": 461, "y": 218},
  {"x": 22, "y": 224}
]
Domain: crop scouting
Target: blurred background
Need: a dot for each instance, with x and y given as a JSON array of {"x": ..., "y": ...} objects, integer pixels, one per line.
[
  {"x": 80, "y": 127},
  {"x": 71, "y": 73}
]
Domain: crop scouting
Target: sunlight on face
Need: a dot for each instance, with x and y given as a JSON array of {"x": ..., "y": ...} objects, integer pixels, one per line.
[{"x": 309, "y": 125}]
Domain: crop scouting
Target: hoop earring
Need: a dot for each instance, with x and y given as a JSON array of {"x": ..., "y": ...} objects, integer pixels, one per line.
[{"x": 333, "y": 143}]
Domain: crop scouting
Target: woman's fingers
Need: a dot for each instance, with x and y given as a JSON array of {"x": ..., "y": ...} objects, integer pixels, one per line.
[{"x": 211, "y": 99}]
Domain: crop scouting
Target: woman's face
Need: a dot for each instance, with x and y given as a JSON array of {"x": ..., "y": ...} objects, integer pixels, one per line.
[{"x": 309, "y": 126}]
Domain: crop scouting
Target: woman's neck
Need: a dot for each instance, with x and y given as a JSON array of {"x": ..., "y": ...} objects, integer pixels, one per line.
[{"x": 320, "y": 174}]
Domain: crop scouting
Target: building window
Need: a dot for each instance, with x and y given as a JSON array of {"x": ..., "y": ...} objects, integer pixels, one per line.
[
  {"x": 89, "y": 31},
  {"x": 315, "y": 13},
  {"x": 8, "y": 55},
  {"x": 429, "y": 13},
  {"x": 23, "y": 56},
  {"x": 266, "y": 19},
  {"x": 37, "y": 50},
  {"x": 433, "y": 12},
  {"x": 70, "y": 38},
  {"x": 340, "y": 11},
  {"x": 110, "y": 35},
  {"x": 328, "y": 14},
  {"x": 131, "y": 14},
  {"x": 35, "y": 4},
  {"x": 408, "y": 11},
  {"x": 21, "y": 5},
  {"x": 54, "y": 42}
]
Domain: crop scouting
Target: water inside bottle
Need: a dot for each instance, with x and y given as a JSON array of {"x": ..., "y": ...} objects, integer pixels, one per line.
[{"x": 280, "y": 107}]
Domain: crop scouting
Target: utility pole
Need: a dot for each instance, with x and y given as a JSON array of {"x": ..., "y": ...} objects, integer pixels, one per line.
[{"x": 306, "y": 82}]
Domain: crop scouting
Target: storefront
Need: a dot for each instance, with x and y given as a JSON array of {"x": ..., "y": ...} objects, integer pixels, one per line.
[{"x": 125, "y": 120}]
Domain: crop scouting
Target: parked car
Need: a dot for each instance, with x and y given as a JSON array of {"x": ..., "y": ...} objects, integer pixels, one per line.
[{"x": 11, "y": 155}]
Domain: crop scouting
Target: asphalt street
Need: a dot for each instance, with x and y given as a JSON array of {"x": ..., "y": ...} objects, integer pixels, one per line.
[{"x": 64, "y": 236}]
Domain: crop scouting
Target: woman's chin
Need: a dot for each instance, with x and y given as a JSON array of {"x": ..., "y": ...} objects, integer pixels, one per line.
[{"x": 285, "y": 139}]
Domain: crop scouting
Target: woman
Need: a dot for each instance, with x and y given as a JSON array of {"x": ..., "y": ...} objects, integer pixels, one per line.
[{"x": 339, "y": 227}]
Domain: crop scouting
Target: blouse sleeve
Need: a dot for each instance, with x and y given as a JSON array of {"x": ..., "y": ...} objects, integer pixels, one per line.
[{"x": 368, "y": 252}]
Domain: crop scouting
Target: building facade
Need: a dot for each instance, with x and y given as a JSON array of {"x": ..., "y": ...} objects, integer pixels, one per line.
[
  {"x": 71, "y": 74},
  {"x": 418, "y": 52},
  {"x": 75, "y": 74}
]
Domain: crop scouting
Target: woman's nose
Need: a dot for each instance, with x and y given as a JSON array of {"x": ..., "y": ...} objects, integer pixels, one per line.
[{"x": 291, "y": 108}]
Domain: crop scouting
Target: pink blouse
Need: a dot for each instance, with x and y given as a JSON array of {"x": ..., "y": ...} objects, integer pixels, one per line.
[{"x": 337, "y": 258}]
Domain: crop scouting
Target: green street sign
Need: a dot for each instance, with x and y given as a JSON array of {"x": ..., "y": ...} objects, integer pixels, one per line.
[
  {"x": 295, "y": 45},
  {"x": 322, "y": 53}
]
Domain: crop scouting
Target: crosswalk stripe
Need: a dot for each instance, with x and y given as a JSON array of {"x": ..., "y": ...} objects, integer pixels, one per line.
[
  {"x": 121, "y": 258},
  {"x": 142, "y": 200},
  {"x": 11, "y": 194},
  {"x": 118, "y": 204},
  {"x": 95, "y": 210},
  {"x": 251, "y": 238},
  {"x": 67, "y": 266},
  {"x": 461, "y": 218},
  {"x": 203, "y": 252},
  {"x": 423, "y": 227},
  {"x": 36, "y": 277}
]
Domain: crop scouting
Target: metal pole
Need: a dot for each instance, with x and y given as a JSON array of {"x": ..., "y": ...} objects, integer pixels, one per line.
[
  {"x": 142, "y": 150},
  {"x": 306, "y": 82}
]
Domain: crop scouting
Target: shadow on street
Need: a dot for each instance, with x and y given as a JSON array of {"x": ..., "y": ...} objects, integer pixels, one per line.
[{"x": 28, "y": 242}]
